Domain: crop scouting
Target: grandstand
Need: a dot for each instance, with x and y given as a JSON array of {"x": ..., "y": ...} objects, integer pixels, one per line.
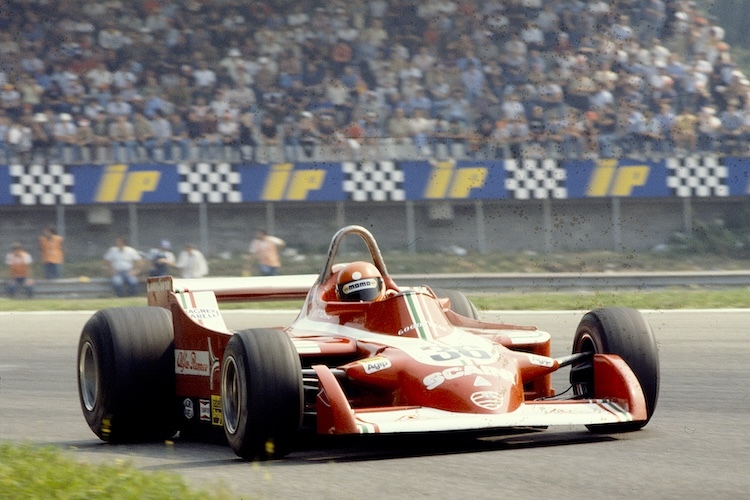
[{"x": 167, "y": 81}]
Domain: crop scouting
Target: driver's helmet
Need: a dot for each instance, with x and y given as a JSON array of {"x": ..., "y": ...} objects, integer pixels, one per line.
[{"x": 360, "y": 281}]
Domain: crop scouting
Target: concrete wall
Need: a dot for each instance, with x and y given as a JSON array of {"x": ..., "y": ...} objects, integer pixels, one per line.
[{"x": 502, "y": 225}]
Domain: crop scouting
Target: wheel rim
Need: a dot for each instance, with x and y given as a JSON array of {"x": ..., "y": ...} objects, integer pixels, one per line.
[
  {"x": 582, "y": 374},
  {"x": 88, "y": 376},
  {"x": 231, "y": 395}
]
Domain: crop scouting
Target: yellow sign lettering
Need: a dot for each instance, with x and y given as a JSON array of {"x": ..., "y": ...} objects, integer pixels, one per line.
[
  {"x": 447, "y": 181},
  {"x": 118, "y": 184},
  {"x": 466, "y": 179},
  {"x": 303, "y": 182},
  {"x": 628, "y": 178},
  {"x": 440, "y": 178},
  {"x": 276, "y": 182},
  {"x": 609, "y": 179},
  {"x": 285, "y": 183}
]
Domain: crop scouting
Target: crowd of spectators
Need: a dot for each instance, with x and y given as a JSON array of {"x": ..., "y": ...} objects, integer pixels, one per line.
[{"x": 172, "y": 80}]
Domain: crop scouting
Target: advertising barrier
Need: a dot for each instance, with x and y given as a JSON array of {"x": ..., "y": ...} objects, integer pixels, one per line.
[{"x": 367, "y": 181}]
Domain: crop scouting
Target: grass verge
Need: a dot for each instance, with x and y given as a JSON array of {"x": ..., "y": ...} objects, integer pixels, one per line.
[{"x": 28, "y": 471}]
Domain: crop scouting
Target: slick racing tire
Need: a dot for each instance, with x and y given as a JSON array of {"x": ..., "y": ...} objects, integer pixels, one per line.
[
  {"x": 624, "y": 332},
  {"x": 126, "y": 381},
  {"x": 261, "y": 393},
  {"x": 460, "y": 304}
]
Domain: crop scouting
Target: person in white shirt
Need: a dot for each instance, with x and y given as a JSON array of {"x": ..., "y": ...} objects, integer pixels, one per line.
[
  {"x": 124, "y": 264},
  {"x": 192, "y": 263}
]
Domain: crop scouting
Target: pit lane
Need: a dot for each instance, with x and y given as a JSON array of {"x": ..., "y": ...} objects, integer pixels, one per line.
[{"x": 695, "y": 445}]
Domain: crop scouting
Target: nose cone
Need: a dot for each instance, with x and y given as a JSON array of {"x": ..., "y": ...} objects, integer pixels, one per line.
[{"x": 471, "y": 389}]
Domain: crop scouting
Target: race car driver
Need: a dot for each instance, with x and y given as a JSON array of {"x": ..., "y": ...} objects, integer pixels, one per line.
[{"x": 360, "y": 282}]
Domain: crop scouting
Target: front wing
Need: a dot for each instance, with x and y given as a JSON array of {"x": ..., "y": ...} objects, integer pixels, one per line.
[{"x": 624, "y": 403}]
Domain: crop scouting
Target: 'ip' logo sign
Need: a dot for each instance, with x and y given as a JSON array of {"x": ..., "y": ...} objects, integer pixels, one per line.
[
  {"x": 118, "y": 184},
  {"x": 611, "y": 179}
]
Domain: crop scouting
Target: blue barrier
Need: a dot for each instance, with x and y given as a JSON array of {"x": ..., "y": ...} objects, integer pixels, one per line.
[{"x": 366, "y": 181}]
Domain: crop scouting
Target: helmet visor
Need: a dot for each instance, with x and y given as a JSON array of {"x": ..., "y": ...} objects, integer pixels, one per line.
[{"x": 367, "y": 289}]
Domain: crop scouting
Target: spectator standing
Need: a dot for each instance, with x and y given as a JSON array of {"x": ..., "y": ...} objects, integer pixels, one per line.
[
  {"x": 102, "y": 140},
  {"x": 145, "y": 138},
  {"x": 65, "y": 134},
  {"x": 162, "y": 135},
  {"x": 265, "y": 248},
  {"x": 269, "y": 137},
  {"x": 161, "y": 259},
  {"x": 709, "y": 128},
  {"x": 685, "y": 133},
  {"x": 247, "y": 136},
  {"x": 192, "y": 263},
  {"x": 124, "y": 264},
  {"x": 41, "y": 135},
  {"x": 52, "y": 252},
  {"x": 122, "y": 135},
  {"x": 85, "y": 140},
  {"x": 229, "y": 134},
  {"x": 732, "y": 129},
  {"x": 179, "y": 136},
  {"x": 19, "y": 263}
]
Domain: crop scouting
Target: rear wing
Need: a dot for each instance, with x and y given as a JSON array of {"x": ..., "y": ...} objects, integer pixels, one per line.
[{"x": 233, "y": 289}]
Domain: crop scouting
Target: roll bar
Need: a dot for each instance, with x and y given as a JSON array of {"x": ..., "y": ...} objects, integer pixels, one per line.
[{"x": 372, "y": 246}]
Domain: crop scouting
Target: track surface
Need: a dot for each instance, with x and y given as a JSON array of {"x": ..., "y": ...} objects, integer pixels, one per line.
[{"x": 696, "y": 445}]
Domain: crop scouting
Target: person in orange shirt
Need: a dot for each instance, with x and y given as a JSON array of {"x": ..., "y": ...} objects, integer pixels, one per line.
[
  {"x": 265, "y": 248},
  {"x": 51, "y": 248},
  {"x": 19, "y": 271}
]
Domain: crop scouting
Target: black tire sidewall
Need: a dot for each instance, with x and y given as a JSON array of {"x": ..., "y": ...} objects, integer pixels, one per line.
[
  {"x": 134, "y": 350},
  {"x": 625, "y": 332},
  {"x": 271, "y": 399},
  {"x": 460, "y": 303}
]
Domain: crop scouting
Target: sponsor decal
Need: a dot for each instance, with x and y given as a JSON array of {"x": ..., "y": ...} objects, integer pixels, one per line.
[
  {"x": 306, "y": 346},
  {"x": 541, "y": 361},
  {"x": 320, "y": 314},
  {"x": 489, "y": 400},
  {"x": 434, "y": 380},
  {"x": 188, "y": 409},
  {"x": 375, "y": 364},
  {"x": 204, "y": 408},
  {"x": 192, "y": 363},
  {"x": 216, "y": 416},
  {"x": 202, "y": 313},
  {"x": 359, "y": 285},
  {"x": 422, "y": 325}
]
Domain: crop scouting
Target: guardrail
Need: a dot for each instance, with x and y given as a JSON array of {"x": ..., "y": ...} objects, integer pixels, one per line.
[{"x": 101, "y": 287}]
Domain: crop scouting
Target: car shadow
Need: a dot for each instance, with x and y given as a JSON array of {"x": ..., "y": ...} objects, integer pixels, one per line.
[{"x": 314, "y": 449}]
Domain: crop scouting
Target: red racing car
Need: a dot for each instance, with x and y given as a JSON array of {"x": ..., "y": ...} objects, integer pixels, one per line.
[{"x": 363, "y": 356}]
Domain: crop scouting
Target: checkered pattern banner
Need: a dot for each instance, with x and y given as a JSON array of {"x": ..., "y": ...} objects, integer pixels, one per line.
[
  {"x": 697, "y": 177},
  {"x": 209, "y": 183},
  {"x": 42, "y": 185},
  {"x": 373, "y": 181},
  {"x": 535, "y": 179}
]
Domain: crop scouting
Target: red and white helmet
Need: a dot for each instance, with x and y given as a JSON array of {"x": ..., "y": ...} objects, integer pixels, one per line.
[{"x": 360, "y": 281}]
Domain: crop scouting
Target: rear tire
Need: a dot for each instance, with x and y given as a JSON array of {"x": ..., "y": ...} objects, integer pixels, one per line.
[
  {"x": 460, "y": 304},
  {"x": 624, "y": 332},
  {"x": 261, "y": 393},
  {"x": 126, "y": 381}
]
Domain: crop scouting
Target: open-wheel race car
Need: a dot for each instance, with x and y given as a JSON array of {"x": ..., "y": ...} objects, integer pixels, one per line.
[{"x": 363, "y": 356}]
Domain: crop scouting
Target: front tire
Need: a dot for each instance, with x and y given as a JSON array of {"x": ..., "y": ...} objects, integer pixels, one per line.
[
  {"x": 261, "y": 393},
  {"x": 624, "y": 332},
  {"x": 460, "y": 304},
  {"x": 126, "y": 381}
]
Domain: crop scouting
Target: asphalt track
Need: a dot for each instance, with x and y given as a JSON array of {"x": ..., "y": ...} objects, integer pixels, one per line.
[{"x": 696, "y": 446}]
